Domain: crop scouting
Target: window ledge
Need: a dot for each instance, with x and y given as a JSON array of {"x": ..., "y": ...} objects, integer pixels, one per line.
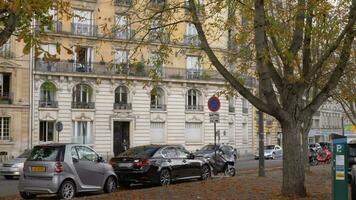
[
  {"x": 194, "y": 112},
  {"x": 122, "y": 110},
  {"x": 81, "y": 110},
  {"x": 158, "y": 111},
  {"x": 48, "y": 109}
]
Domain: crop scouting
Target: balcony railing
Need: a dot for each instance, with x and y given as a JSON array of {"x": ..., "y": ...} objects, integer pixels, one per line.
[
  {"x": 159, "y": 107},
  {"x": 194, "y": 107},
  {"x": 55, "y": 27},
  {"x": 83, "y": 105},
  {"x": 231, "y": 109},
  {"x": 245, "y": 110},
  {"x": 5, "y": 138},
  {"x": 122, "y": 2},
  {"x": 191, "y": 40},
  {"x": 6, "y": 98},
  {"x": 122, "y": 106},
  {"x": 84, "y": 29},
  {"x": 159, "y": 37},
  {"x": 48, "y": 104},
  {"x": 123, "y": 34}
]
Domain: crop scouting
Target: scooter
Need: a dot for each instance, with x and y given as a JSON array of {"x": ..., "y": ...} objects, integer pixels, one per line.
[
  {"x": 324, "y": 157},
  {"x": 222, "y": 163}
]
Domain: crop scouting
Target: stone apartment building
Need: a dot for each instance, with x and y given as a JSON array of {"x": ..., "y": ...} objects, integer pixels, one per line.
[{"x": 113, "y": 108}]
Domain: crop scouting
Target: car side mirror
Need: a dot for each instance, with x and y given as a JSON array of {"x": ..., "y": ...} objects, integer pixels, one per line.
[
  {"x": 100, "y": 159},
  {"x": 75, "y": 160}
]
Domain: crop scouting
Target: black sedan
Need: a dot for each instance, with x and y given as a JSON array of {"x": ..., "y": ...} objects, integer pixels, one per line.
[{"x": 158, "y": 164}]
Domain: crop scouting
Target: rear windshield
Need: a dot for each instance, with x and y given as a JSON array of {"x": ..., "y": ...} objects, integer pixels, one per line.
[
  {"x": 25, "y": 154},
  {"x": 269, "y": 147},
  {"x": 46, "y": 153},
  {"x": 140, "y": 152}
]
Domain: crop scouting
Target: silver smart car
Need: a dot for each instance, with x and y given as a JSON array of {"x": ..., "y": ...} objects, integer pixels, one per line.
[{"x": 65, "y": 169}]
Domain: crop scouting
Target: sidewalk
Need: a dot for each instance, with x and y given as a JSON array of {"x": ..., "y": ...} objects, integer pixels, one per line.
[{"x": 245, "y": 186}]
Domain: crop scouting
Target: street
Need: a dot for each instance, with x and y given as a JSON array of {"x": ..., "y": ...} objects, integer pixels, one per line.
[{"x": 9, "y": 187}]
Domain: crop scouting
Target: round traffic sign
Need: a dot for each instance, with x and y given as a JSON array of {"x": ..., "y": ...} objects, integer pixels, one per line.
[
  {"x": 59, "y": 126},
  {"x": 214, "y": 104}
]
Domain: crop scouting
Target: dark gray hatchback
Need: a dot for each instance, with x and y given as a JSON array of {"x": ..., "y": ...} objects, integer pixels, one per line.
[{"x": 65, "y": 169}]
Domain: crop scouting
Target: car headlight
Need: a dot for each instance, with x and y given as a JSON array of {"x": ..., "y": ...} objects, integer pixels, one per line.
[{"x": 19, "y": 165}]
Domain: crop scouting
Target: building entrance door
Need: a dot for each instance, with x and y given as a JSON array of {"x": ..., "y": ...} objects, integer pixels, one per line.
[{"x": 121, "y": 137}]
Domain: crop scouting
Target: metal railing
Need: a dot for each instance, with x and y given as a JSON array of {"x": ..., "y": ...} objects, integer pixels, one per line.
[
  {"x": 159, "y": 107},
  {"x": 231, "y": 109},
  {"x": 6, "y": 98},
  {"x": 122, "y": 2},
  {"x": 83, "y": 105},
  {"x": 48, "y": 104},
  {"x": 191, "y": 40},
  {"x": 55, "y": 27},
  {"x": 122, "y": 106},
  {"x": 84, "y": 29},
  {"x": 194, "y": 107}
]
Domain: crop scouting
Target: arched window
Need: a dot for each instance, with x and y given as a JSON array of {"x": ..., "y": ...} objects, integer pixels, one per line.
[
  {"x": 193, "y": 100},
  {"x": 82, "y": 97},
  {"x": 157, "y": 99},
  {"x": 121, "y": 98},
  {"x": 48, "y": 95}
]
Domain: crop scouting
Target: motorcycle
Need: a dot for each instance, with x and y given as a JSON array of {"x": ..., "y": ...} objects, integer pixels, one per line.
[
  {"x": 313, "y": 157},
  {"x": 324, "y": 156},
  {"x": 222, "y": 163}
]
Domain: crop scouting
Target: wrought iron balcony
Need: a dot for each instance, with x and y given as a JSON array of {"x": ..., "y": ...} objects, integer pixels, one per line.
[
  {"x": 231, "y": 109},
  {"x": 48, "y": 104},
  {"x": 84, "y": 29},
  {"x": 158, "y": 107},
  {"x": 194, "y": 107},
  {"x": 83, "y": 105},
  {"x": 192, "y": 40},
  {"x": 6, "y": 98},
  {"x": 122, "y": 2},
  {"x": 122, "y": 106}
]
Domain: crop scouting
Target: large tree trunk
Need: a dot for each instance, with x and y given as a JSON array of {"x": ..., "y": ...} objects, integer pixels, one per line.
[{"x": 293, "y": 162}]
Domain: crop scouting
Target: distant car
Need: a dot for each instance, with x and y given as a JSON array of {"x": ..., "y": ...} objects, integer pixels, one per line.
[
  {"x": 158, "y": 164},
  {"x": 65, "y": 169},
  {"x": 271, "y": 152},
  {"x": 12, "y": 168}
]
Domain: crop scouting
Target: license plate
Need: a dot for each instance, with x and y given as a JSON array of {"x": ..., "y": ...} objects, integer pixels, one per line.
[
  {"x": 125, "y": 164},
  {"x": 38, "y": 169}
]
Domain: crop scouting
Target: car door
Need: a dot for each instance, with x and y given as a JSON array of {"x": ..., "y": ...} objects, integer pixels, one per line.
[
  {"x": 89, "y": 170},
  {"x": 191, "y": 167},
  {"x": 172, "y": 161}
]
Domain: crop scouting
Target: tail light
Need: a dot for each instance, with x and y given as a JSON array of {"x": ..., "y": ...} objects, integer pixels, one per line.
[
  {"x": 58, "y": 167},
  {"x": 143, "y": 163}
]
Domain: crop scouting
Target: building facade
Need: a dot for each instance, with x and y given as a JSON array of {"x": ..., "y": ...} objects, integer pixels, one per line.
[
  {"x": 14, "y": 99},
  {"x": 114, "y": 105}
]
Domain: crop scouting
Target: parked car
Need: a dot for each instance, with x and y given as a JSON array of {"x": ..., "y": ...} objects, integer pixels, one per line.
[
  {"x": 352, "y": 167},
  {"x": 158, "y": 164},
  {"x": 12, "y": 168},
  {"x": 224, "y": 161},
  {"x": 65, "y": 169},
  {"x": 271, "y": 152}
]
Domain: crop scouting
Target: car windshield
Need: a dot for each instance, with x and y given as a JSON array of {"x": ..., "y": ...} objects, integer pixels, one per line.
[
  {"x": 45, "y": 153},
  {"x": 25, "y": 154},
  {"x": 209, "y": 148},
  {"x": 140, "y": 152},
  {"x": 269, "y": 147}
]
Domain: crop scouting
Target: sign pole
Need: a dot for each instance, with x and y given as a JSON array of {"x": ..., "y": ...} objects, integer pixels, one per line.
[{"x": 215, "y": 139}]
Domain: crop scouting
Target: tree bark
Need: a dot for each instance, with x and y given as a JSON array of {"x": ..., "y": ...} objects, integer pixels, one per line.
[{"x": 293, "y": 167}]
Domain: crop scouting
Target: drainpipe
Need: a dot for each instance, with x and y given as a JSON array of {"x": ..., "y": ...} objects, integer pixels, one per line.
[{"x": 31, "y": 65}]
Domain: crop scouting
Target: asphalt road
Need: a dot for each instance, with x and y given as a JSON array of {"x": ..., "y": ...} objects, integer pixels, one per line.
[{"x": 9, "y": 187}]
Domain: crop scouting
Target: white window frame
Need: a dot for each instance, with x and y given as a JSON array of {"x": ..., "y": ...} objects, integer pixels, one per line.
[
  {"x": 4, "y": 127},
  {"x": 191, "y": 94},
  {"x": 83, "y": 88},
  {"x": 122, "y": 26},
  {"x": 120, "y": 90},
  {"x": 46, "y": 132},
  {"x": 157, "y": 98},
  {"x": 121, "y": 56},
  {"x": 79, "y": 127},
  {"x": 191, "y": 30}
]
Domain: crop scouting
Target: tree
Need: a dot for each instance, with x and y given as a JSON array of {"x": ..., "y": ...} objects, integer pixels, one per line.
[
  {"x": 17, "y": 16},
  {"x": 298, "y": 50}
]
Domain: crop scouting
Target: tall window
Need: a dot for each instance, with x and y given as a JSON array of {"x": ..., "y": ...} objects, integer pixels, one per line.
[
  {"x": 46, "y": 131},
  {"x": 83, "y": 23},
  {"x": 121, "y": 56},
  {"x": 82, "y": 132},
  {"x": 5, "y": 128},
  {"x": 47, "y": 95},
  {"x": 48, "y": 48},
  {"x": 193, "y": 100},
  {"x": 157, "y": 99},
  {"x": 157, "y": 132},
  {"x": 121, "y": 94},
  {"x": 122, "y": 27},
  {"x": 83, "y": 58},
  {"x": 193, "y": 67},
  {"x": 244, "y": 106},
  {"x": 4, "y": 85},
  {"x": 156, "y": 62},
  {"x": 193, "y": 132},
  {"x": 82, "y": 93},
  {"x": 231, "y": 104},
  {"x": 244, "y": 133},
  {"x": 191, "y": 30}
]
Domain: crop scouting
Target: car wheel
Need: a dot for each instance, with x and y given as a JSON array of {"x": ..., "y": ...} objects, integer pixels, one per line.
[
  {"x": 273, "y": 156},
  {"x": 67, "y": 190},
  {"x": 165, "y": 177},
  {"x": 229, "y": 170},
  {"x": 124, "y": 184},
  {"x": 27, "y": 195},
  {"x": 110, "y": 185},
  {"x": 7, "y": 177},
  {"x": 205, "y": 172}
]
